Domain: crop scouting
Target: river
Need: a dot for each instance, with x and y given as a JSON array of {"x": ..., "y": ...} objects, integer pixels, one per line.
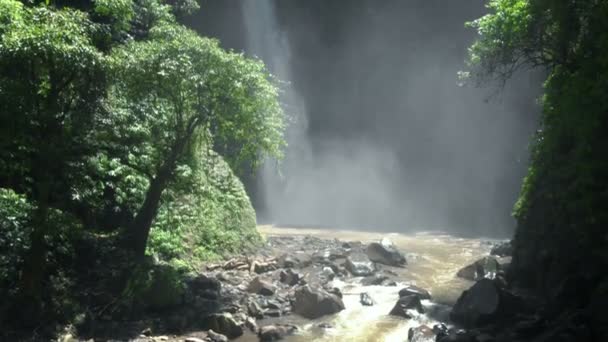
[{"x": 433, "y": 260}]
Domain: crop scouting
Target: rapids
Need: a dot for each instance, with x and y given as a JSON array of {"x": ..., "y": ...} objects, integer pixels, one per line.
[{"x": 433, "y": 260}]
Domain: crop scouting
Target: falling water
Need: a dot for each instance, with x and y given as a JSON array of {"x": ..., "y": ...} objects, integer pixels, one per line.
[{"x": 266, "y": 41}]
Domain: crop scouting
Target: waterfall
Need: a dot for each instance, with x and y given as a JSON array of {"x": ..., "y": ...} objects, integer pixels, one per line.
[{"x": 266, "y": 41}]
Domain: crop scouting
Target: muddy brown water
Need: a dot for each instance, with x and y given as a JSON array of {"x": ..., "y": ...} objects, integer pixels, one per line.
[{"x": 433, "y": 260}]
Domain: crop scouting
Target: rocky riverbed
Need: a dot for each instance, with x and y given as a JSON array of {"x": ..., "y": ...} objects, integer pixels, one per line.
[{"x": 319, "y": 285}]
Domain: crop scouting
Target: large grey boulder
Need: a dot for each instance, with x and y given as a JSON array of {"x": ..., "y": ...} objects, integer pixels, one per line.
[
  {"x": 485, "y": 302},
  {"x": 224, "y": 324},
  {"x": 359, "y": 265},
  {"x": 486, "y": 267},
  {"x": 315, "y": 302},
  {"x": 405, "y": 304},
  {"x": 385, "y": 252},
  {"x": 416, "y": 291}
]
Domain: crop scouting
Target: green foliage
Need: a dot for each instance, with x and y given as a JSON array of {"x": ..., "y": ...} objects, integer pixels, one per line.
[
  {"x": 14, "y": 233},
  {"x": 214, "y": 220},
  {"x": 105, "y": 107},
  {"x": 561, "y": 210}
]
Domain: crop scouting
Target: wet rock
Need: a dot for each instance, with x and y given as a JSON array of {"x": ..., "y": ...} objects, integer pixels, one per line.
[
  {"x": 373, "y": 280},
  {"x": 458, "y": 336},
  {"x": 485, "y": 302},
  {"x": 416, "y": 291},
  {"x": 261, "y": 286},
  {"x": 406, "y": 303},
  {"x": 289, "y": 277},
  {"x": 389, "y": 282},
  {"x": 334, "y": 290},
  {"x": 315, "y": 302},
  {"x": 296, "y": 260},
  {"x": 224, "y": 324},
  {"x": 251, "y": 324},
  {"x": 276, "y": 332},
  {"x": 196, "y": 339},
  {"x": 487, "y": 267},
  {"x": 503, "y": 249},
  {"x": 359, "y": 265},
  {"x": 365, "y": 299},
  {"x": 260, "y": 266},
  {"x": 325, "y": 325},
  {"x": 254, "y": 309},
  {"x": 327, "y": 273},
  {"x": 212, "y": 336},
  {"x": 440, "y": 330},
  {"x": 384, "y": 252},
  {"x": 421, "y": 334}
]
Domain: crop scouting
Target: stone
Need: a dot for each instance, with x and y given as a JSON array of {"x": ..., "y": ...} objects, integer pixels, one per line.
[
  {"x": 373, "y": 280},
  {"x": 224, "y": 324},
  {"x": 365, "y": 299},
  {"x": 315, "y": 302},
  {"x": 193, "y": 339},
  {"x": 212, "y": 336},
  {"x": 385, "y": 252},
  {"x": 485, "y": 302},
  {"x": 405, "y": 304},
  {"x": 416, "y": 291},
  {"x": 261, "y": 286},
  {"x": 421, "y": 334},
  {"x": 359, "y": 265},
  {"x": 254, "y": 309},
  {"x": 487, "y": 267},
  {"x": 276, "y": 332},
  {"x": 504, "y": 249},
  {"x": 289, "y": 277},
  {"x": 296, "y": 260}
]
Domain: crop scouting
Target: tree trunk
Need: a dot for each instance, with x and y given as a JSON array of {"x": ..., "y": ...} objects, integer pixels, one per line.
[
  {"x": 142, "y": 223},
  {"x": 140, "y": 228},
  {"x": 34, "y": 265}
]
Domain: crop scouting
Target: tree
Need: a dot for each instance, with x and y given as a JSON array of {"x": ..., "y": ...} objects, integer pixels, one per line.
[
  {"x": 51, "y": 89},
  {"x": 561, "y": 209},
  {"x": 180, "y": 93}
]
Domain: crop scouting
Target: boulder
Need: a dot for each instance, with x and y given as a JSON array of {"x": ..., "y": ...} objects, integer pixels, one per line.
[
  {"x": 504, "y": 249},
  {"x": 416, "y": 291},
  {"x": 296, "y": 260},
  {"x": 261, "y": 286},
  {"x": 406, "y": 303},
  {"x": 212, "y": 336},
  {"x": 485, "y": 302},
  {"x": 224, "y": 324},
  {"x": 486, "y": 267},
  {"x": 365, "y": 299},
  {"x": 384, "y": 252},
  {"x": 315, "y": 302},
  {"x": 373, "y": 280},
  {"x": 289, "y": 277},
  {"x": 276, "y": 332},
  {"x": 359, "y": 265},
  {"x": 421, "y": 334}
]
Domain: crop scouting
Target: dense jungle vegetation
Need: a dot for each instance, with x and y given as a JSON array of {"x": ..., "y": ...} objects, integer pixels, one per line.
[
  {"x": 561, "y": 242},
  {"x": 122, "y": 136}
]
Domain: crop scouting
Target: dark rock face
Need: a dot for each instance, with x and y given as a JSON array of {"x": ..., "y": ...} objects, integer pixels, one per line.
[
  {"x": 406, "y": 303},
  {"x": 365, "y": 299},
  {"x": 261, "y": 286},
  {"x": 276, "y": 332},
  {"x": 224, "y": 324},
  {"x": 415, "y": 291},
  {"x": 359, "y": 265},
  {"x": 384, "y": 252},
  {"x": 314, "y": 302},
  {"x": 487, "y": 267},
  {"x": 485, "y": 302},
  {"x": 504, "y": 249}
]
